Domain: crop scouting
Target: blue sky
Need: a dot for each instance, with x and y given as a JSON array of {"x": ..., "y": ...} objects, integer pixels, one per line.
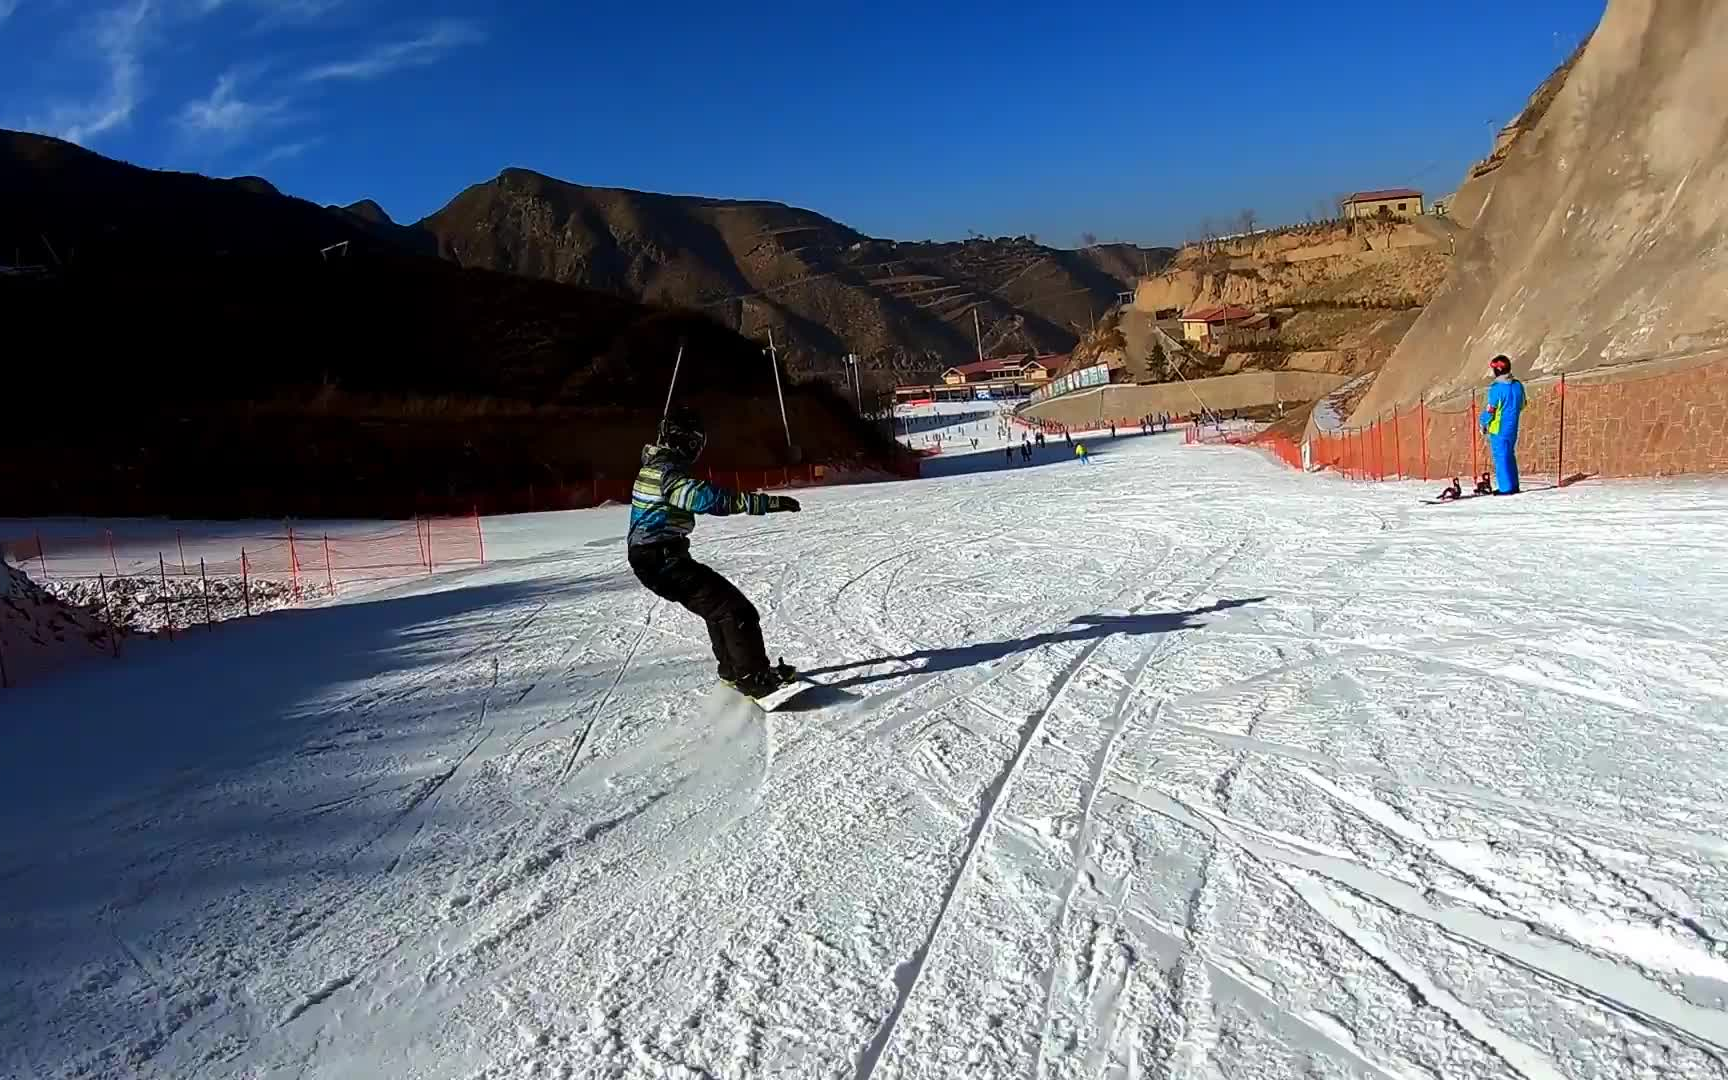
[{"x": 909, "y": 120}]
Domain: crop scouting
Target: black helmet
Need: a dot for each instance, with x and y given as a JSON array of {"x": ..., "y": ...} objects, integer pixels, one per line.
[
  {"x": 681, "y": 432},
  {"x": 1501, "y": 365}
]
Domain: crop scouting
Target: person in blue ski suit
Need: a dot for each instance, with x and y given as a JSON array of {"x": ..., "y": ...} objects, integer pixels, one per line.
[
  {"x": 664, "y": 503},
  {"x": 1505, "y": 405}
]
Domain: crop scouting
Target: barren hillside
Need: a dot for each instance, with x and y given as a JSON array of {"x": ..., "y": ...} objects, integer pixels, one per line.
[
  {"x": 188, "y": 351},
  {"x": 824, "y": 289},
  {"x": 1601, "y": 239}
]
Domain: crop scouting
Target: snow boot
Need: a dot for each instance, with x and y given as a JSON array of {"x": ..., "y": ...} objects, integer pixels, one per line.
[{"x": 760, "y": 684}]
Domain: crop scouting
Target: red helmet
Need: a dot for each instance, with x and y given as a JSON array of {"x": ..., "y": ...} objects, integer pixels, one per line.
[{"x": 1501, "y": 365}]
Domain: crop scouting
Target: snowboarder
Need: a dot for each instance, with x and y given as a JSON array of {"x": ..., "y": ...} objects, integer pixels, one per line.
[
  {"x": 1080, "y": 452},
  {"x": 663, "y": 506},
  {"x": 1505, "y": 405},
  {"x": 1009, "y": 451},
  {"x": 1456, "y": 491}
]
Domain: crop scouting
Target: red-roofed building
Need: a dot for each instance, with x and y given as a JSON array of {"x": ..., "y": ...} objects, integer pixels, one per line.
[
  {"x": 1005, "y": 377},
  {"x": 1202, "y": 325},
  {"x": 1391, "y": 202},
  {"x": 1021, "y": 367}
]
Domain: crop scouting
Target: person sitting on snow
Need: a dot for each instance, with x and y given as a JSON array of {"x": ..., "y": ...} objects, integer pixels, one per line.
[{"x": 1456, "y": 491}]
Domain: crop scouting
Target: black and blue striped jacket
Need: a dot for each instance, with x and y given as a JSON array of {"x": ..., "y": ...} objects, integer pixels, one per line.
[{"x": 665, "y": 499}]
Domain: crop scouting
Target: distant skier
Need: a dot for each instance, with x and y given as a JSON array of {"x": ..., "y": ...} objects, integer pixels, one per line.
[
  {"x": 1009, "y": 452},
  {"x": 1080, "y": 452},
  {"x": 663, "y": 506},
  {"x": 1505, "y": 405}
]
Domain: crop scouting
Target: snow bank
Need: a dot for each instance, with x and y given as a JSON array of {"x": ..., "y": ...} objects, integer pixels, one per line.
[
  {"x": 40, "y": 631},
  {"x": 147, "y": 605}
]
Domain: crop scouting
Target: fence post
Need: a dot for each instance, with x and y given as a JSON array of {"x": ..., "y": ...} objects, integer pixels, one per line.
[
  {"x": 1470, "y": 433},
  {"x": 428, "y": 547},
  {"x": 245, "y": 584},
  {"x": 180, "y": 542},
  {"x": 480, "y": 535},
  {"x": 1397, "y": 444},
  {"x": 329, "y": 573},
  {"x": 167, "y": 608},
  {"x": 108, "y": 617},
  {"x": 1560, "y": 450},
  {"x": 1422, "y": 430},
  {"x": 293, "y": 563},
  {"x": 112, "y": 561},
  {"x": 42, "y": 556},
  {"x": 204, "y": 581}
]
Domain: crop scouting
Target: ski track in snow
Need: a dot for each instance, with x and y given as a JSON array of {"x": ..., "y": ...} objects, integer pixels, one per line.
[{"x": 1179, "y": 764}]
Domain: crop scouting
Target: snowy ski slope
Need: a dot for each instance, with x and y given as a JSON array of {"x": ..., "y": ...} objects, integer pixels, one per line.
[{"x": 1178, "y": 764}]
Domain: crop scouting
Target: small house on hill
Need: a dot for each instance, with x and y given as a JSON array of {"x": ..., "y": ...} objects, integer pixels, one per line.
[
  {"x": 1390, "y": 202},
  {"x": 1204, "y": 325}
]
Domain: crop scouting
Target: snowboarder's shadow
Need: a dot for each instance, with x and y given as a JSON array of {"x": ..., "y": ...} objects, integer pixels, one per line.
[{"x": 926, "y": 661}]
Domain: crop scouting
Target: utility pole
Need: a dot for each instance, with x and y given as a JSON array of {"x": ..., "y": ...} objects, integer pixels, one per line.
[
  {"x": 976, "y": 329},
  {"x": 851, "y": 361}
]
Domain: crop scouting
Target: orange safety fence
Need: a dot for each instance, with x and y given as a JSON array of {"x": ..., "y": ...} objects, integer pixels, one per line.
[
  {"x": 297, "y": 554},
  {"x": 1663, "y": 422}
]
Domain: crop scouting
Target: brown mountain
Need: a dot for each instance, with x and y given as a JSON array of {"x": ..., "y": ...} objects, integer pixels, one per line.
[
  {"x": 822, "y": 288},
  {"x": 196, "y": 346}
]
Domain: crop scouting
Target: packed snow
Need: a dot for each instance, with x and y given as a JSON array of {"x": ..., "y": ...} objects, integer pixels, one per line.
[{"x": 1180, "y": 763}]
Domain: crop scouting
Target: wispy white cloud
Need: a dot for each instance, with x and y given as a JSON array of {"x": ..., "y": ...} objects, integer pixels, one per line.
[
  {"x": 288, "y": 151},
  {"x": 271, "y": 10},
  {"x": 226, "y": 117},
  {"x": 118, "y": 37},
  {"x": 427, "y": 47}
]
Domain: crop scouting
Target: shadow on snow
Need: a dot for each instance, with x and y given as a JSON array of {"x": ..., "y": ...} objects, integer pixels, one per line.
[{"x": 928, "y": 661}]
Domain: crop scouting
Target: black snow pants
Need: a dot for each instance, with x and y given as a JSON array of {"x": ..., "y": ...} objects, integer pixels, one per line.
[{"x": 734, "y": 627}]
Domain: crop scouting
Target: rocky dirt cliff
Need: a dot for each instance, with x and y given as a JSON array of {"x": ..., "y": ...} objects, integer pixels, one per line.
[
  {"x": 1600, "y": 240},
  {"x": 1393, "y": 264}
]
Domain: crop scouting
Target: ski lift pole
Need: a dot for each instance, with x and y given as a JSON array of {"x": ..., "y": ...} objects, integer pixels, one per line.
[
  {"x": 677, "y": 363},
  {"x": 774, "y": 363}
]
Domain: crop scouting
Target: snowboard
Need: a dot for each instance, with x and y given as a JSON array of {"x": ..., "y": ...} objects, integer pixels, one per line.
[
  {"x": 792, "y": 684},
  {"x": 1448, "y": 502},
  {"x": 788, "y": 690}
]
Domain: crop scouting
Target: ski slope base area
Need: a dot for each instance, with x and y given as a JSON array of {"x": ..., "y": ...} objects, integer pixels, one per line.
[{"x": 1176, "y": 764}]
